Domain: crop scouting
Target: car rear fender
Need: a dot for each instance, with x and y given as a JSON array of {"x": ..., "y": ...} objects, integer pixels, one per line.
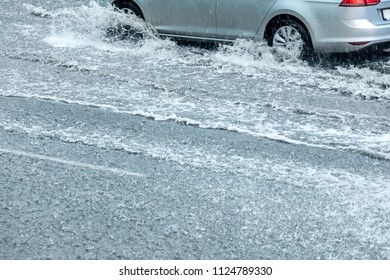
[{"x": 306, "y": 11}]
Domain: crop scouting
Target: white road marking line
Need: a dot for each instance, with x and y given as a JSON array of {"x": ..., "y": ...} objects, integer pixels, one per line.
[{"x": 72, "y": 163}]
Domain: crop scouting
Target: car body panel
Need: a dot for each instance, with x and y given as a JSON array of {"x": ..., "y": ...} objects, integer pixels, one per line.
[
  {"x": 240, "y": 18},
  {"x": 332, "y": 28},
  {"x": 188, "y": 18}
]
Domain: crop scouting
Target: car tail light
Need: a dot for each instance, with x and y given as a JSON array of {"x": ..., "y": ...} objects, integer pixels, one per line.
[{"x": 359, "y": 3}]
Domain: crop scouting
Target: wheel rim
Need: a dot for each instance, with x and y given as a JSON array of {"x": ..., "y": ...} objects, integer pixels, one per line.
[
  {"x": 289, "y": 38},
  {"x": 128, "y": 11}
]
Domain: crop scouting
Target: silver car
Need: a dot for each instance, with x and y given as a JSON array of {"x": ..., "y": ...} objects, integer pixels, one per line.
[{"x": 304, "y": 26}]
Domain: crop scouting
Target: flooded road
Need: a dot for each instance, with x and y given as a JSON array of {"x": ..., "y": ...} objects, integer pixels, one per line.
[{"x": 145, "y": 149}]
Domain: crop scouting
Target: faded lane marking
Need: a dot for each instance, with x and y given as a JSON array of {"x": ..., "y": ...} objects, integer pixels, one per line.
[{"x": 72, "y": 163}]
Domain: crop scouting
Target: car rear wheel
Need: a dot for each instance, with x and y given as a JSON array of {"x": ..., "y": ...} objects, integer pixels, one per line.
[
  {"x": 292, "y": 36},
  {"x": 129, "y": 8}
]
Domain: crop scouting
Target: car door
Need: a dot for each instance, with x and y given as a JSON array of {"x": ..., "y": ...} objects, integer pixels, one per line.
[
  {"x": 241, "y": 18},
  {"x": 185, "y": 17}
]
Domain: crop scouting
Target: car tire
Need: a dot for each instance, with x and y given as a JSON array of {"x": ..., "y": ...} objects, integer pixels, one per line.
[
  {"x": 292, "y": 35},
  {"x": 129, "y": 7}
]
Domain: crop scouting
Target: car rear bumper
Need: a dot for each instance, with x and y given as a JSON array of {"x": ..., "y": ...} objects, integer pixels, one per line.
[
  {"x": 354, "y": 35},
  {"x": 351, "y": 29}
]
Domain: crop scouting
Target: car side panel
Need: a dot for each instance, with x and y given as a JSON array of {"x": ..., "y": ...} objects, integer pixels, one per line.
[
  {"x": 241, "y": 18},
  {"x": 183, "y": 17}
]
